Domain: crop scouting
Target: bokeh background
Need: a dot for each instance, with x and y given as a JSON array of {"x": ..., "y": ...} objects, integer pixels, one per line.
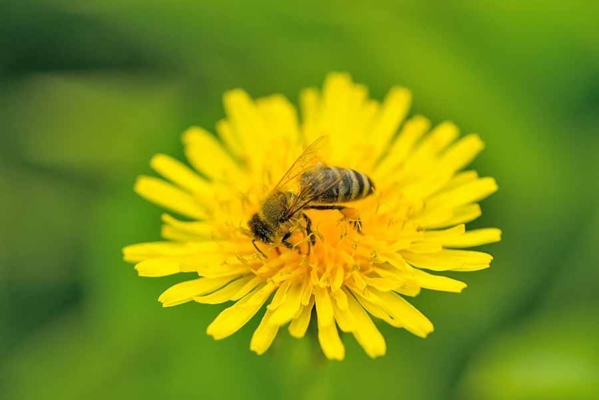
[{"x": 90, "y": 90}]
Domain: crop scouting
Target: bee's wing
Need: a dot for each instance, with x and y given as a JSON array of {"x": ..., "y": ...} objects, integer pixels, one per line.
[
  {"x": 305, "y": 161},
  {"x": 311, "y": 192}
]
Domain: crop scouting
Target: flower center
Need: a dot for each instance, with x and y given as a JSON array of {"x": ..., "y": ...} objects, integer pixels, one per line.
[
  {"x": 337, "y": 252},
  {"x": 332, "y": 229}
]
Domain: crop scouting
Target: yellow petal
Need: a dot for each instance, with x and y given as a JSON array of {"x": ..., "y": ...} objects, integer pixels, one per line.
[
  {"x": 428, "y": 185},
  {"x": 195, "y": 228},
  {"x": 336, "y": 117},
  {"x": 441, "y": 136},
  {"x": 209, "y": 259},
  {"x": 249, "y": 127},
  {"x": 310, "y": 108},
  {"x": 468, "y": 193},
  {"x": 399, "y": 309},
  {"x": 429, "y": 147},
  {"x": 409, "y": 288},
  {"x": 338, "y": 277},
  {"x": 307, "y": 288},
  {"x": 280, "y": 116},
  {"x": 443, "y": 235},
  {"x": 208, "y": 156},
  {"x": 424, "y": 247},
  {"x": 445, "y": 260},
  {"x": 340, "y": 298},
  {"x": 435, "y": 282},
  {"x": 330, "y": 342},
  {"x": 214, "y": 266},
  {"x": 264, "y": 335},
  {"x": 280, "y": 296},
  {"x": 433, "y": 240},
  {"x": 393, "y": 111},
  {"x": 233, "y": 318},
  {"x": 328, "y": 336},
  {"x": 157, "y": 267},
  {"x": 178, "y": 173},
  {"x": 411, "y": 131},
  {"x": 248, "y": 287},
  {"x": 461, "y": 154},
  {"x": 460, "y": 179},
  {"x": 324, "y": 307},
  {"x": 374, "y": 309},
  {"x": 476, "y": 237},
  {"x": 151, "y": 249},
  {"x": 344, "y": 318},
  {"x": 192, "y": 256},
  {"x": 431, "y": 217},
  {"x": 358, "y": 281},
  {"x": 170, "y": 233},
  {"x": 226, "y": 293},
  {"x": 458, "y": 215},
  {"x": 229, "y": 138},
  {"x": 143, "y": 251},
  {"x": 299, "y": 325},
  {"x": 394, "y": 259},
  {"x": 186, "y": 291},
  {"x": 384, "y": 284},
  {"x": 288, "y": 309},
  {"x": 365, "y": 332},
  {"x": 166, "y": 195},
  {"x": 394, "y": 279},
  {"x": 362, "y": 113}
]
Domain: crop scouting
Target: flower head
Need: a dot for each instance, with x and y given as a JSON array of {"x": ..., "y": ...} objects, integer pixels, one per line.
[{"x": 340, "y": 275}]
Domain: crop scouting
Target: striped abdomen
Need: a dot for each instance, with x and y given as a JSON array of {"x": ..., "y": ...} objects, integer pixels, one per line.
[{"x": 337, "y": 185}]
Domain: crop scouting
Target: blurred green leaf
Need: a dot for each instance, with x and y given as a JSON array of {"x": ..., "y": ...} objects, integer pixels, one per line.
[
  {"x": 100, "y": 124},
  {"x": 555, "y": 356}
]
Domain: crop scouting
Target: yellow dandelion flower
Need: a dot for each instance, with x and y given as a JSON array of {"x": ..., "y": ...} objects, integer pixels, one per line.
[{"x": 412, "y": 223}]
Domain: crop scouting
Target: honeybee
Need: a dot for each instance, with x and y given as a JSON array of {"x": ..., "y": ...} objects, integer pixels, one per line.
[{"x": 320, "y": 188}]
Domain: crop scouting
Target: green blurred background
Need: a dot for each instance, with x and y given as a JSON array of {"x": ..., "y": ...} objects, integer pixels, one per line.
[{"x": 89, "y": 91}]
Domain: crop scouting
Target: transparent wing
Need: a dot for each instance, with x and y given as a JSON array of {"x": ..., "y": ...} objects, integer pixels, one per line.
[
  {"x": 308, "y": 159},
  {"x": 312, "y": 190}
]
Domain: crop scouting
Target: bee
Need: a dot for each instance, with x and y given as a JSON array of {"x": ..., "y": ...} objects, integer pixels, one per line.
[{"x": 320, "y": 187}]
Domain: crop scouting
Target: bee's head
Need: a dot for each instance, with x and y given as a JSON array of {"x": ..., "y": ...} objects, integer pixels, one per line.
[{"x": 260, "y": 230}]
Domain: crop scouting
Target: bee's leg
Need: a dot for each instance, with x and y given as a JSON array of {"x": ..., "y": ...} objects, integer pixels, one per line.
[
  {"x": 357, "y": 223},
  {"x": 309, "y": 229},
  {"x": 347, "y": 212},
  {"x": 354, "y": 218},
  {"x": 285, "y": 242},
  {"x": 325, "y": 207}
]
